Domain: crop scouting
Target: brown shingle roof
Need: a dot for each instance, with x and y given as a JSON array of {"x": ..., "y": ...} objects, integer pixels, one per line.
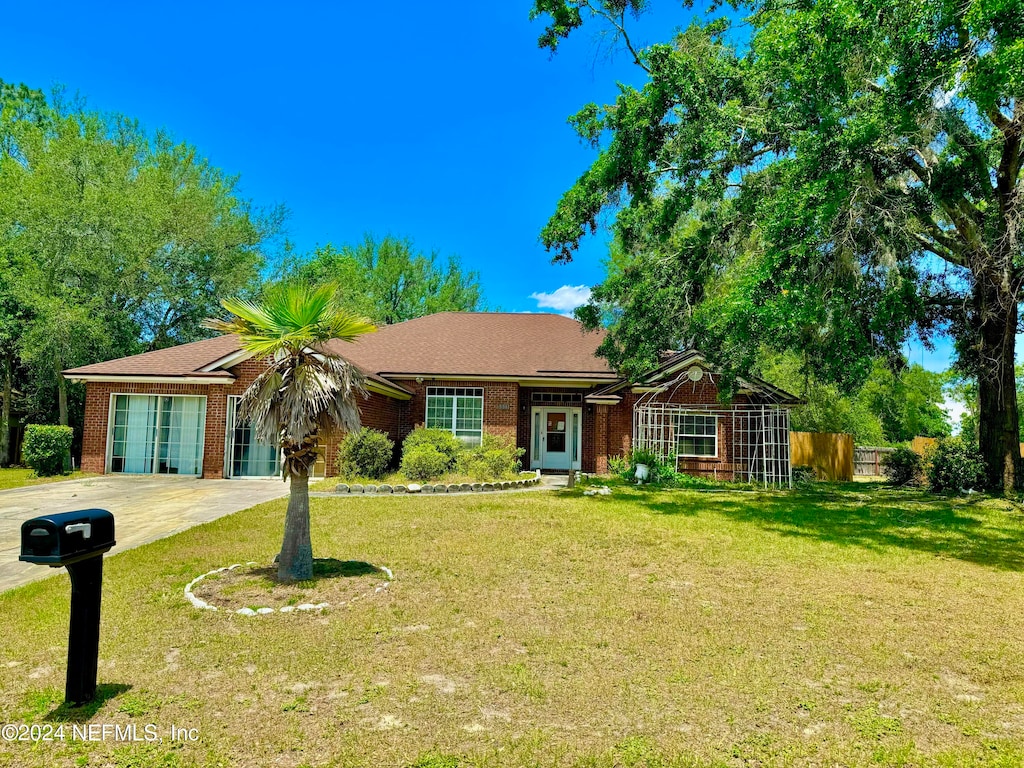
[
  {"x": 182, "y": 360},
  {"x": 481, "y": 344},
  {"x": 447, "y": 343}
]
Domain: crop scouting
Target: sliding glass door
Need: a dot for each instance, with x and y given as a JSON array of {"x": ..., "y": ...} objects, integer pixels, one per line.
[
  {"x": 248, "y": 457},
  {"x": 157, "y": 434}
]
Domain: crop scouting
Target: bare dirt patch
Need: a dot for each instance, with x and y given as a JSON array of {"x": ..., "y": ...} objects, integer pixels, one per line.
[{"x": 335, "y": 582}]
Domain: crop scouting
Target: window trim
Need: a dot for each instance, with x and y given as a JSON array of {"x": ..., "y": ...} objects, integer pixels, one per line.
[
  {"x": 111, "y": 407},
  {"x": 680, "y": 434},
  {"x": 230, "y": 422},
  {"x": 457, "y": 392}
]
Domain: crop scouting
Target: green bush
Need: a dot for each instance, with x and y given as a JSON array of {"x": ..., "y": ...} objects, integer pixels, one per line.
[
  {"x": 803, "y": 474},
  {"x": 46, "y": 448},
  {"x": 423, "y": 462},
  {"x": 495, "y": 457},
  {"x": 902, "y": 466},
  {"x": 955, "y": 464},
  {"x": 445, "y": 443},
  {"x": 617, "y": 465},
  {"x": 366, "y": 453},
  {"x": 654, "y": 465}
]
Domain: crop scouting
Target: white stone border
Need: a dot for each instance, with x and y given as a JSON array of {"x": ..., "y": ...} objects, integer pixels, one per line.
[{"x": 202, "y": 604}]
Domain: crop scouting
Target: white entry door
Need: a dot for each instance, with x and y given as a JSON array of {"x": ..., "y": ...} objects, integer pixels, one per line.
[{"x": 555, "y": 437}]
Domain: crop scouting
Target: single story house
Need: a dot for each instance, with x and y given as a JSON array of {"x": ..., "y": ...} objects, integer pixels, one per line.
[{"x": 534, "y": 378}]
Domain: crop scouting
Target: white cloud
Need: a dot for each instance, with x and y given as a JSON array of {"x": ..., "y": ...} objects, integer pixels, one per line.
[{"x": 564, "y": 299}]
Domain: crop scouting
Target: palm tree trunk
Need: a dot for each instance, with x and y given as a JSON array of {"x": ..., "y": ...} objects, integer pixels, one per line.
[{"x": 296, "y": 559}]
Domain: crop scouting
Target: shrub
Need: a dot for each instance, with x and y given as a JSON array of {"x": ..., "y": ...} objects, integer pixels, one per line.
[
  {"x": 617, "y": 465},
  {"x": 445, "y": 443},
  {"x": 366, "y": 453},
  {"x": 46, "y": 448},
  {"x": 650, "y": 460},
  {"x": 423, "y": 462},
  {"x": 495, "y": 457},
  {"x": 902, "y": 466},
  {"x": 803, "y": 474},
  {"x": 955, "y": 464}
]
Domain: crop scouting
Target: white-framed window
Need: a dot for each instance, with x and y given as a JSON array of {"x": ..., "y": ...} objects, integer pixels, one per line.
[
  {"x": 157, "y": 434},
  {"x": 696, "y": 435},
  {"x": 460, "y": 410},
  {"x": 246, "y": 456}
]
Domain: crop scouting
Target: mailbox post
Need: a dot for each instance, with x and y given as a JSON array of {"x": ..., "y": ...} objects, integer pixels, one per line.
[{"x": 77, "y": 541}]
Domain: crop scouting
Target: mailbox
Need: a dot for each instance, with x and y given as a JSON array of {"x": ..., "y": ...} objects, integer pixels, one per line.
[
  {"x": 67, "y": 538},
  {"x": 76, "y": 540}
]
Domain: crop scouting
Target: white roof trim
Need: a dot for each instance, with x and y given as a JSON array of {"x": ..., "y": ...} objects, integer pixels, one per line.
[
  {"x": 526, "y": 381},
  {"x": 99, "y": 377},
  {"x": 234, "y": 358},
  {"x": 393, "y": 392}
]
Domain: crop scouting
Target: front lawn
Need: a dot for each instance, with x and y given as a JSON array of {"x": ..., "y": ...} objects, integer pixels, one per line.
[
  {"x": 836, "y": 627},
  {"x": 17, "y": 477}
]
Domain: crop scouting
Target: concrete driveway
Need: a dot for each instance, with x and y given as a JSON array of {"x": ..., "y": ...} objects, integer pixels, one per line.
[{"x": 145, "y": 508}]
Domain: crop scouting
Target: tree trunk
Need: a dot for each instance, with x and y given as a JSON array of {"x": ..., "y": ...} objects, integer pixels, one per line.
[
  {"x": 296, "y": 559},
  {"x": 62, "y": 397},
  {"x": 5, "y": 414},
  {"x": 998, "y": 435}
]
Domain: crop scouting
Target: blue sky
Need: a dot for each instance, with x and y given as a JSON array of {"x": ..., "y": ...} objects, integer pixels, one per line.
[{"x": 442, "y": 123}]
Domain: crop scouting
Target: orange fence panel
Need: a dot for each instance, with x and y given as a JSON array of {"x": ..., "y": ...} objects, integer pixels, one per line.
[{"x": 829, "y": 453}]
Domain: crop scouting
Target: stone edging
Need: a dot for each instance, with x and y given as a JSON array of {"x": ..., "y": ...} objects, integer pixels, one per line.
[
  {"x": 202, "y": 604},
  {"x": 501, "y": 485}
]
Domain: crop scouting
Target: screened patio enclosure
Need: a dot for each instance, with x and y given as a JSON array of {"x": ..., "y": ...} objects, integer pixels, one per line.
[
  {"x": 157, "y": 434},
  {"x": 744, "y": 442}
]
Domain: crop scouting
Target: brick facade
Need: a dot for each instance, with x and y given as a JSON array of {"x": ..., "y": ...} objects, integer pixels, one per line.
[
  {"x": 378, "y": 412},
  {"x": 607, "y": 430},
  {"x": 614, "y": 427}
]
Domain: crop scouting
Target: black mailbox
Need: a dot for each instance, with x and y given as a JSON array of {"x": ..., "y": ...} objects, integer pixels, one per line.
[
  {"x": 76, "y": 540},
  {"x": 67, "y": 538}
]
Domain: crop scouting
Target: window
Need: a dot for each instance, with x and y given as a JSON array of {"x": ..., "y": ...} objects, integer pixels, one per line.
[
  {"x": 460, "y": 410},
  {"x": 246, "y": 455},
  {"x": 557, "y": 398},
  {"x": 696, "y": 435},
  {"x": 153, "y": 434}
]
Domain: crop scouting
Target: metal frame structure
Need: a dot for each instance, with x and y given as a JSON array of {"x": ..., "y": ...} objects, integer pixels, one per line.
[{"x": 756, "y": 437}]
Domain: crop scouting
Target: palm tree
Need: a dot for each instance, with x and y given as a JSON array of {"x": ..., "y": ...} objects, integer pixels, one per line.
[{"x": 306, "y": 391}]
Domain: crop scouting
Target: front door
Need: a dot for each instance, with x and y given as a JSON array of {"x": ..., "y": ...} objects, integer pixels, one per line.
[{"x": 555, "y": 438}]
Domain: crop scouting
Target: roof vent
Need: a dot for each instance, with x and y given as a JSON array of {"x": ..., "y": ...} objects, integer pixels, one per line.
[{"x": 696, "y": 373}]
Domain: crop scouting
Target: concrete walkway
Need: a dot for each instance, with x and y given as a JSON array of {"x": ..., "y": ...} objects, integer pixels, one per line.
[{"x": 145, "y": 508}]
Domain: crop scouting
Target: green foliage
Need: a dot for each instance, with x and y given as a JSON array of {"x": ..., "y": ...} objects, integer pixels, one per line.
[
  {"x": 955, "y": 464},
  {"x": 888, "y": 408},
  {"x": 618, "y": 465},
  {"x": 495, "y": 457},
  {"x": 643, "y": 456},
  {"x": 792, "y": 177},
  {"x": 903, "y": 466},
  {"x": 366, "y": 453},
  {"x": 424, "y": 462},
  {"x": 46, "y": 448},
  {"x": 113, "y": 240},
  {"x": 803, "y": 475},
  {"x": 442, "y": 441},
  {"x": 388, "y": 280}
]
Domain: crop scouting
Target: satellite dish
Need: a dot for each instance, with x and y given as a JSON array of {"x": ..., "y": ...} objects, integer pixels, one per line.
[{"x": 696, "y": 373}]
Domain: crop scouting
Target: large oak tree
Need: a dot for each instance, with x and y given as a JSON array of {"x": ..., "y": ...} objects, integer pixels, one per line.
[{"x": 830, "y": 176}]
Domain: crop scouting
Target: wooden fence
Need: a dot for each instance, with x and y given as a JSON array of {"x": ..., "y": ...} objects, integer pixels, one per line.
[
  {"x": 867, "y": 460},
  {"x": 829, "y": 453}
]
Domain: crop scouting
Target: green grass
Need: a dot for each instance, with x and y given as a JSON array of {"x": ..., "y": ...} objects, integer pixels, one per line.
[
  {"x": 328, "y": 484},
  {"x": 18, "y": 477},
  {"x": 843, "y": 626}
]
